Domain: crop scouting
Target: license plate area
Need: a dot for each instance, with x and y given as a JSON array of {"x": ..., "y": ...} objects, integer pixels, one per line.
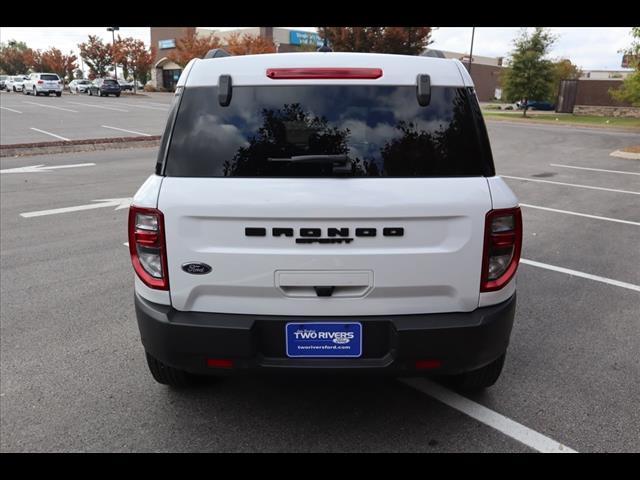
[{"x": 323, "y": 339}]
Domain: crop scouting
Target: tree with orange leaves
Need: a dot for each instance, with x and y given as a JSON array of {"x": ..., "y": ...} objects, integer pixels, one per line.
[
  {"x": 53, "y": 60},
  {"x": 191, "y": 45},
  {"x": 398, "y": 40},
  {"x": 237, "y": 44}
]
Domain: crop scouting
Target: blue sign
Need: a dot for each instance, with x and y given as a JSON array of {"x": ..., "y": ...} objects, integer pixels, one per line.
[
  {"x": 163, "y": 44},
  {"x": 324, "y": 339},
  {"x": 297, "y": 37}
]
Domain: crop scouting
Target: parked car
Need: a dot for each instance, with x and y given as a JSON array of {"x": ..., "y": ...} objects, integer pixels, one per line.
[
  {"x": 79, "y": 86},
  {"x": 42, "y": 83},
  {"x": 306, "y": 221},
  {"x": 3, "y": 81},
  {"x": 125, "y": 86},
  {"x": 15, "y": 83},
  {"x": 536, "y": 105},
  {"x": 104, "y": 87}
]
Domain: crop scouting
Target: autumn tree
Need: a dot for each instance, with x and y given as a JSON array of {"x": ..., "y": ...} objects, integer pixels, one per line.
[
  {"x": 191, "y": 45},
  {"x": 630, "y": 89},
  {"x": 529, "y": 75},
  {"x": 563, "y": 69},
  {"x": 53, "y": 60},
  {"x": 398, "y": 40},
  {"x": 247, "y": 44},
  {"x": 14, "y": 57},
  {"x": 97, "y": 55}
]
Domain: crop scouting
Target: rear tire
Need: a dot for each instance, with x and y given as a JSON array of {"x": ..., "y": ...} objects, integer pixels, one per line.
[
  {"x": 117, "y": 95},
  {"x": 59, "y": 94},
  {"x": 167, "y": 375},
  {"x": 35, "y": 92},
  {"x": 478, "y": 379}
]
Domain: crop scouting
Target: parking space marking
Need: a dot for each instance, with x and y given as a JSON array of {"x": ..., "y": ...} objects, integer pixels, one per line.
[
  {"x": 100, "y": 106},
  {"x": 51, "y": 106},
  {"x": 142, "y": 106},
  {"x": 576, "y": 273},
  {"x": 119, "y": 203},
  {"x": 49, "y": 133},
  {"x": 11, "y": 109},
  {"x": 511, "y": 428},
  {"x": 594, "y": 169},
  {"x": 571, "y": 184},
  {"x": 580, "y": 214},
  {"x": 128, "y": 131}
]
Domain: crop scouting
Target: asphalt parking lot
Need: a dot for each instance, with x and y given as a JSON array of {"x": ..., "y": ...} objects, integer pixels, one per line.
[
  {"x": 73, "y": 373},
  {"x": 27, "y": 119}
]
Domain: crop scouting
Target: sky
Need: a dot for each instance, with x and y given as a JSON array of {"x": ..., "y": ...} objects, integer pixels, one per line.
[{"x": 589, "y": 48}]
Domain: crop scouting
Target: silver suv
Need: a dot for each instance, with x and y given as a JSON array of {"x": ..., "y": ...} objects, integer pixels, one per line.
[{"x": 43, "y": 83}]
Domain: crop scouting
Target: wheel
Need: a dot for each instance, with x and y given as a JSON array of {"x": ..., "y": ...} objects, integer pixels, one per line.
[
  {"x": 35, "y": 92},
  {"x": 58, "y": 94},
  {"x": 14, "y": 88},
  {"x": 24, "y": 91},
  {"x": 478, "y": 379},
  {"x": 90, "y": 93},
  {"x": 167, "y": 375},
  {"x": 46, "y": 94},
  {"x": 117, "y": 95}
]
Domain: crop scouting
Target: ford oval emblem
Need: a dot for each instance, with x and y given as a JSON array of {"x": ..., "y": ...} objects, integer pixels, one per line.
[{"x": 196, "y": 268}]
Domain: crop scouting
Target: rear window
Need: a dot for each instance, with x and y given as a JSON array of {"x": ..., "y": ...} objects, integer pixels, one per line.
[
  {"x": 110, "y": 82},
  {"x": 327, "y": 131},
  {"x": 49, "y": 76}
]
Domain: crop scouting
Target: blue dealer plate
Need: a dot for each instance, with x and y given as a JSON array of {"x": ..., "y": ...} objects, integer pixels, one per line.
[{"x": 324, "y": 339}]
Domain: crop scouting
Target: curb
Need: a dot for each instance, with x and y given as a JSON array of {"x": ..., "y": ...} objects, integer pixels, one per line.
[
  {"x": 621, "y": 154},
  {"x": 92, "y": 144},
  {"x": 529, "y": 121}
]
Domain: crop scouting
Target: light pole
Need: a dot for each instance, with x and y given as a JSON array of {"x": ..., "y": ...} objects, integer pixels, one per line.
[
  {"x": 473, "y": 33},
  {"x": 113, "y": 49}
]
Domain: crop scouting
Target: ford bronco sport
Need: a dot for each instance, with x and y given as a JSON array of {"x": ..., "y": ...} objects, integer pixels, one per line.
[{"x": 325, "y": 212}]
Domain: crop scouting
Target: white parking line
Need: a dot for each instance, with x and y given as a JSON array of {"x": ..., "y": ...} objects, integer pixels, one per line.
[
  {"x": 49, "y": 133},
  {"x": 142, "y": 106},
  {"x": 51, "y": 106},
  {"x": 100, "y": 106},
  {"x": 159, "y": 104},
  {"x": 576, "y": 273},
  {"x": 10, "y": 109},
  {"x": 128, "y": 131},
  {"x": 580, "y": 214},
  {"x": 571, "y": 185},
  {"x": 594, "y": 169},
  {"x": 511, "y": 428}
]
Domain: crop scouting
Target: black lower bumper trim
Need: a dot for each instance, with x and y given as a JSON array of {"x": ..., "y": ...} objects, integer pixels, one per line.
[{"x": 391, "y": 343}]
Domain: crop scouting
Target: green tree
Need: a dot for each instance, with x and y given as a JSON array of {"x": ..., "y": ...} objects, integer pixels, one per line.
[
  {"x": 15, "y": 57},
  {"x": 529, "y": 75},
  {"x": 629, "y": 91},
  {"x": 399, "y": 40}
]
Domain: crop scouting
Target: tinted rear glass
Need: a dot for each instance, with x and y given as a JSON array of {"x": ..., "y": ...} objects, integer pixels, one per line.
[
  {"x": 110, "y": 82},
  {"x": 374, "y": 131},
  {"x": 49, "y": 76}
]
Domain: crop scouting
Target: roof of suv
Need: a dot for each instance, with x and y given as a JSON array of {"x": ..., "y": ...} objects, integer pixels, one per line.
[{"x": 397, "y": 69}]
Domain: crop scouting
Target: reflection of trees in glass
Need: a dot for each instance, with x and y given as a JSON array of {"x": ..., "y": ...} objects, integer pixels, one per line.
[
  {"x": 284, "y": 133},
  {"x": 420, "y": 153}
]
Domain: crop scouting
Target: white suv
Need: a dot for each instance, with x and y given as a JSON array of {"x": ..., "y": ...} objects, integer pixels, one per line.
[
  {"x": 42, "y": 83},
  {"x": 325, "y": 212}
]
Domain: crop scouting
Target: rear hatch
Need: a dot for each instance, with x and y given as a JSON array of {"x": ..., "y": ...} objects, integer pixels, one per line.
[{"x": 326, "y": 200}]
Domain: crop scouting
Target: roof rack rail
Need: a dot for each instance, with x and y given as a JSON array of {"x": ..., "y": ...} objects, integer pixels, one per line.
[{"x": 217, "y": 53}]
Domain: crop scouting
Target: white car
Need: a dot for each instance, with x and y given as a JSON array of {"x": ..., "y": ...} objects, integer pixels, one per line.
[
  {"x": 79, "y": 86},
  {"x": 15, "y": 83},
  {"x": 325, "y": 212},
  {"x": 42, "y": 83}
]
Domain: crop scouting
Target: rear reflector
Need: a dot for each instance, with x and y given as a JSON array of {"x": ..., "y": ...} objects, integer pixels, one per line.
[
  {"x": 219, "y": 363},
  {"x": 323, "y": 73},
  {"x": 428, "y": 364}
]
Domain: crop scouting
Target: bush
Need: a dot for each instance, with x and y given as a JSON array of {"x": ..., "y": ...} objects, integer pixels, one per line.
[{"x": 150, "y": 88}]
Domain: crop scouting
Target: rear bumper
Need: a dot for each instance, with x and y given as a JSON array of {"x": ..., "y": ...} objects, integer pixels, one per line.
[{"x": 391, "y": 344}]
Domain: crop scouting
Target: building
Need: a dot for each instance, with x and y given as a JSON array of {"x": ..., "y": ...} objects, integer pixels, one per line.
[
  {"x": 165, "y": 73},
  {"x": 605, "y": 74},
  {"x": 485, "y": 72}
]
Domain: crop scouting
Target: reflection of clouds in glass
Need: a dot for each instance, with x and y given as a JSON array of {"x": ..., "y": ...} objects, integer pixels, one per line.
[{"x": 365, "y": 141}]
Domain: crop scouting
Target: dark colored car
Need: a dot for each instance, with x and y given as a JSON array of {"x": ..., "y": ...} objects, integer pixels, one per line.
[
  {"x": 537, "y": 105},
  {"x": 105, "y": 87}
]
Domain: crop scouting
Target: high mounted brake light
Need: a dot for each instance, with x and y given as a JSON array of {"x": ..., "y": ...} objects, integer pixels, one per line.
[
  {"x": 502, "y": 246},
  {"x": 147, "y": 246},
  {"x": 323, "y": 73}
]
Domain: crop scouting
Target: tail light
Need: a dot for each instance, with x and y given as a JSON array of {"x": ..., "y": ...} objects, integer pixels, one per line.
[
  {"x": 147, "y": 246},
  {"x": 502, "y": 246},
  {"x": 323, "y": 73},
  {"x": 40, "y": 82}
]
